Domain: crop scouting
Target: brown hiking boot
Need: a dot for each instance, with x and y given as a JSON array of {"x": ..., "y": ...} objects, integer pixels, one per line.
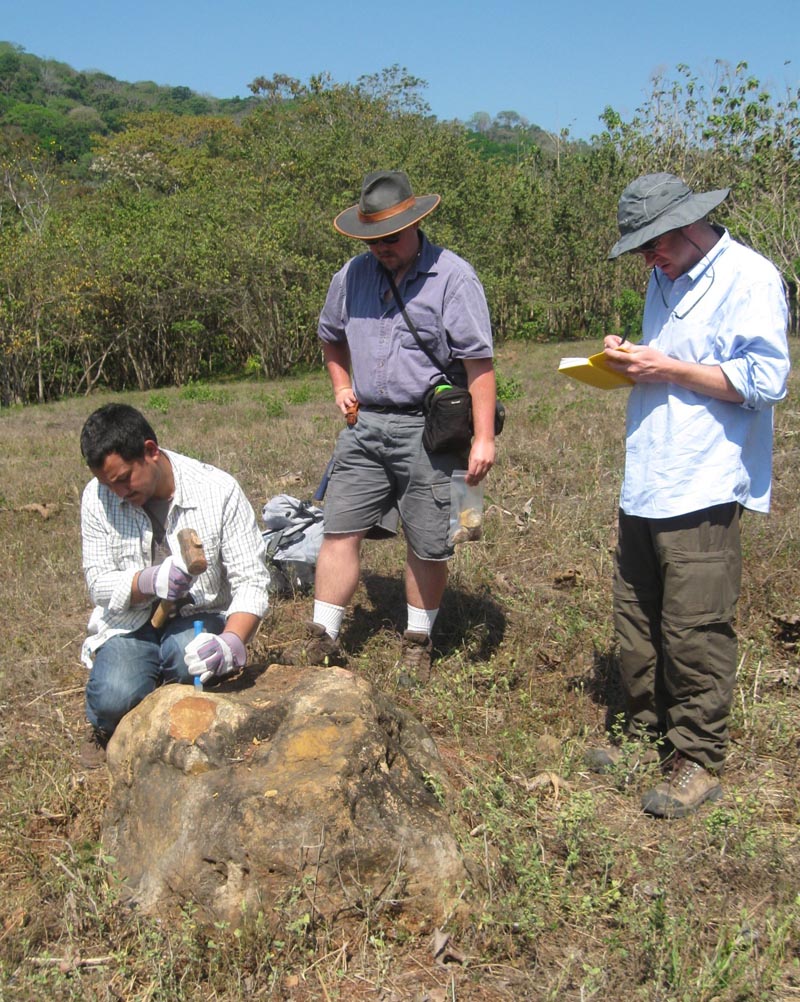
[
  {"x": 92, "y": 754},
  {"x": 415, "y": 660},
  {"x": 685, "y": 789},
  {"x": 632, "y": 756},
  {"x": 317, "y": 648}
]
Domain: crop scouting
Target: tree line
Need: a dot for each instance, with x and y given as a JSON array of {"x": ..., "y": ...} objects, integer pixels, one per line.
[{"x": 192, "y": 246}]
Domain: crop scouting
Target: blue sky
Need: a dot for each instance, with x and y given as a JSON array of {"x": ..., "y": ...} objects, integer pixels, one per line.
[{"x": 558, "y": 63}]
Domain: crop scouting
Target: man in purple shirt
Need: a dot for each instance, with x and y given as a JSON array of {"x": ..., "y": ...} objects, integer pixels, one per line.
[{"x": 381, "y": 472}]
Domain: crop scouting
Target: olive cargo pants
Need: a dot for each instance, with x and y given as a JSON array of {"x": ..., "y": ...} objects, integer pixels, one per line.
[{"x": 676, "y": 585}]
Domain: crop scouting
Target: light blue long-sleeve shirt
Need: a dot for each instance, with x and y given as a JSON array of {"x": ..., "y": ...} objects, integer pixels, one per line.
[{"x": 687, "y": 451}]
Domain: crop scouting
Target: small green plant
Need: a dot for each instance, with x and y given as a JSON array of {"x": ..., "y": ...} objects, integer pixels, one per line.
[
  {"x": 434, "y": 785},
  {"x": 273, "y": 405},
  {"x": 734, "y": 830},
  {"x": 252, "y": 367},
  {"x": 541, "y": 412},
  {"x": 508, "y": 388},
  {"x": 300, "y": 394},
  {"x": 576, "y": 825},
  {"x": 202, "y": 393},
  {"x": 300, "y": 926},
  {"x": 158, "y": 402}
]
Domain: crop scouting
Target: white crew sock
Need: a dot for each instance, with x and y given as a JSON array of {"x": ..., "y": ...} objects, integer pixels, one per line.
[
  {"x": 421, "y": 620},
  {"x": 329, "y": 616}
]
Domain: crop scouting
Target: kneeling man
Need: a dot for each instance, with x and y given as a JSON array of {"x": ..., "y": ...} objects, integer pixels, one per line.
[{"x": 141, "y": 496}]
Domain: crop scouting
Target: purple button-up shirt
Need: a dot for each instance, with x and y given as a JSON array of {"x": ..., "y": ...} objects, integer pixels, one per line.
[{"x": 444, "y": 299}]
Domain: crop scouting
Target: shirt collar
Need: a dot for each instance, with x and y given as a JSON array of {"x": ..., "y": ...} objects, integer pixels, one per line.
[
  {"x": 182, "y": 496},
  {"x": 426, "y": 259},
  {"x": 711, "y": 256},
  {"x": 423, "y": 264}
]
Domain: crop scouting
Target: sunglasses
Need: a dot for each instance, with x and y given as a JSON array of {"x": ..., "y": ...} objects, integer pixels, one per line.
[{"x": 383, "y": 240}]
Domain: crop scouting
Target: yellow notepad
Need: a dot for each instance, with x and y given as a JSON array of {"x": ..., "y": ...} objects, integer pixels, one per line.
[{"x": 594, "y": 371}]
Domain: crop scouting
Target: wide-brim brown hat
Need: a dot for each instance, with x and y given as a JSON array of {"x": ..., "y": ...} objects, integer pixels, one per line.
[
  {"x": 387, "y": 205},
  {"x": 653, "y": 204}
]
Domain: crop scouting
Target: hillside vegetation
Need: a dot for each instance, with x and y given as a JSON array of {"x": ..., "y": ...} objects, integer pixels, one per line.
[
  {"x": 184, "y": 246},
  {"x": 62, "y": 108}
]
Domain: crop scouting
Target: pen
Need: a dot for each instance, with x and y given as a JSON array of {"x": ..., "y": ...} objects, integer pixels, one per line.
[{"x": 624, "y": 337}]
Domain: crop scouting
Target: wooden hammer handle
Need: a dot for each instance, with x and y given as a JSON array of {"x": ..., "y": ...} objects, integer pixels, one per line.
[{"x": 194, "y": 560}]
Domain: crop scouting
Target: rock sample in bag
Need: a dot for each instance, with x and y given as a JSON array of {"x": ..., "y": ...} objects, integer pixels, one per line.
[
  {"x": 307, "y": 785},
  {"x": 466, "y": 509}
]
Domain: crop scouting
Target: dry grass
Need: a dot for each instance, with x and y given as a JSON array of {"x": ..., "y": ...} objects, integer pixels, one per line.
[{"x": 585, "y": 897}]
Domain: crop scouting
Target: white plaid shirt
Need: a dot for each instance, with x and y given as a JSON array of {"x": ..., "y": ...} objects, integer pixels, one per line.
[{"x": 118, "y": 542}]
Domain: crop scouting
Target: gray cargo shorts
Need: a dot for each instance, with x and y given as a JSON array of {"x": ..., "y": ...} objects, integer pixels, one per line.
[{"x": 382, "y": 474}]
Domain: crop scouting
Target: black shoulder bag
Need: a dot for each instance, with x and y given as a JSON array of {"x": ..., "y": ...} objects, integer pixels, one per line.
[{"x": 447, "y": 408}]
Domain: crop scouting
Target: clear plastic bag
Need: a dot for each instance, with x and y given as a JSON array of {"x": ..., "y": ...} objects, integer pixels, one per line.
[{"x": 466, "y": 509}]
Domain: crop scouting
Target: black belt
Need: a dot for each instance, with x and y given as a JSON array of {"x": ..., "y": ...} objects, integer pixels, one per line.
[{"x": 413, "y": 409}]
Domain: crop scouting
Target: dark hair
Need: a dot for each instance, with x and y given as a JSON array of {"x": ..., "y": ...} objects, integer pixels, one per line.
[{"x": 116, "y": 428}]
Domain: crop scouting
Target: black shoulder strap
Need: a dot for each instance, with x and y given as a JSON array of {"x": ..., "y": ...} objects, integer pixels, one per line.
[{"x": 402, "y": 306}]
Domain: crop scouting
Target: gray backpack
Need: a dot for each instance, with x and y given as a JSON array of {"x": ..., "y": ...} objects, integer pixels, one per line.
[{"x": 293, "y": 536}]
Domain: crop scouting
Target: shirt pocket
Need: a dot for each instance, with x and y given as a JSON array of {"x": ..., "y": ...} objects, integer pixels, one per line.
[
  {"x": 429, "y": 330},
  {"x": 210, "y": 580},
  {"x": 129, "y": 554}
]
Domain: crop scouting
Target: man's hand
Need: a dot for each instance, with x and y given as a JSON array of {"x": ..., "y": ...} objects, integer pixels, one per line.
[
  {"x": 637, "y": 361},
  {"x": 211, "y": 656},
  {"x": 644, "y": 364},
  {"x": 167, "y": 580},
  {"x": 345, "y": 399},
  {"x": 481, "y": 460}
]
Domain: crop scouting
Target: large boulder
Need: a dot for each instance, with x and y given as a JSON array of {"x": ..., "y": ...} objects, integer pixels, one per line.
[{"x": 304, "y": 785}]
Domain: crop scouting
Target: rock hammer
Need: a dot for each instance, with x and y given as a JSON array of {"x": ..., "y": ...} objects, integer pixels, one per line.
[{"x": 194, "y": 560}]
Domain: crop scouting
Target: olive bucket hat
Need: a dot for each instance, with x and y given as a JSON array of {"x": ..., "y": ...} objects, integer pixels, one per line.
[
  {"x": 656, "y": 203},
  {"x": 387, "y": 205}
]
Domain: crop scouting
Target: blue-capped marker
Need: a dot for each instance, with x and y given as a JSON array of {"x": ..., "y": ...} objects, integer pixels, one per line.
[{"x": 198, "y": 629}]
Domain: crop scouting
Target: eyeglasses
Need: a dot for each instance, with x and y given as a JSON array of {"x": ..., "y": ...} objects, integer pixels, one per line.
[
  {"x": 383, "y": 240},
  {"x": 650, "y": 246}
]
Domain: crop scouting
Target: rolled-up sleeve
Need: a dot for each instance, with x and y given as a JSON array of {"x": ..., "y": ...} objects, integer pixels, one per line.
[{"x": 758, "y": 366}]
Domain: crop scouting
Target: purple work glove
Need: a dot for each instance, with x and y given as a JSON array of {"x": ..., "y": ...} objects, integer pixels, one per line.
[
  {"x": 165, "y": 580},
  {"x": 209, "y": 655}
]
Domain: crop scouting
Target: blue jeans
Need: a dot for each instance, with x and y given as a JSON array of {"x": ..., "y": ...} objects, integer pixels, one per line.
[{"x": 129, "y": 666}]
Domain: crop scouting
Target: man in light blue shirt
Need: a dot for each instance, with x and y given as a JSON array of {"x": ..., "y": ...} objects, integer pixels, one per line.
[{"x": 712, "y": 362}]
